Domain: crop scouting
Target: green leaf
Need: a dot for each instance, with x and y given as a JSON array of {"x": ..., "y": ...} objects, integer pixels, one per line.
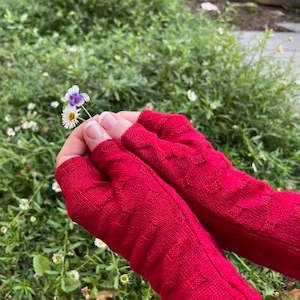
[
  {"x": 69, "y": 285},
  {"x": 40, "y": 264}
]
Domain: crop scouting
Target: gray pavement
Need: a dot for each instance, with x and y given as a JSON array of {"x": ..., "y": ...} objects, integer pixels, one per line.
[{"x": 289, "y": 49}]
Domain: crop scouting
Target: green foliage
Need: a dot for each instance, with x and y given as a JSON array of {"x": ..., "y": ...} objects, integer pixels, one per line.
[
  {"x": 41, "y": 264},
  {"x": 124, "y": 54}
]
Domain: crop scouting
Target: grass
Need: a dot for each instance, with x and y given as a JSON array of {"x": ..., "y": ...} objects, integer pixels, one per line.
[{"x": 124, "y": 54}]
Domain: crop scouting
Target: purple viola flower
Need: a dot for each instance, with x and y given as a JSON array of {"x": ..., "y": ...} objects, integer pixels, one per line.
[{"x": 75, "y": 98}]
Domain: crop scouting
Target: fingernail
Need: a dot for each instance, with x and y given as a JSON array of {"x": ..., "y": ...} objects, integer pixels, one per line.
[
  {"x": 107, "y": 120},
  {"x": 92, "y": 130}
]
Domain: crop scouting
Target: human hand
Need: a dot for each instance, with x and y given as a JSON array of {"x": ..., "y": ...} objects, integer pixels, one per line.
[
  {"x": 119, "y": 199},
  {"x": 245, "y": 215}
]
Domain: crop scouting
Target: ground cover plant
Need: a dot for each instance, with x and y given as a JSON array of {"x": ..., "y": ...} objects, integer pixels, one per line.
[{"x": 124, "y": 54}]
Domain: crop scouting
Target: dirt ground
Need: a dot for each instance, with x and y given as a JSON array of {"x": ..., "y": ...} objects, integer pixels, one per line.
[{"x": 244, "y": 18}]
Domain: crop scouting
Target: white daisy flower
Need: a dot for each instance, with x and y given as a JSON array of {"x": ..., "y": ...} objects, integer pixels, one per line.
[
  {"x": 3, "y": 229},
  {"x": 31, "y": 106},
  {"x": 192, "y": 96},
  {"x": 7, "y": 118},
  {"x": 54, "y": 104},
  {"x": 25, "y": 125},
  {"x": 209, "y": 6},
  {"x": 100, "y": 244},
  {"x": 74, "y": 275},
  {"x": 24, "y": 204},
  {"x": 57, "y": 258},
  {"x": 33, "y": 125},
  {"x": 56, "y": 187},
  {"x": 45, "y": 74},
  {"x": 70, "y": 116},
  {"x": 213, "y": 105},
  {"x": 124, "y": 278},
  {"x": 10, "y": 132}
]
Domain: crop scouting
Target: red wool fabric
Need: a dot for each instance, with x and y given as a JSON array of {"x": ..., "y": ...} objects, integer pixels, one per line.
[
  {"x": 245, "y": 215},
  {"x": 119, "y": 199}
]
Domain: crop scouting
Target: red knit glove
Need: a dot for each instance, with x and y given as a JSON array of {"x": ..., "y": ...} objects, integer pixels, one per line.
[
  {"x": 120, "y": 200},
  {"x": 245, "y": 215}
]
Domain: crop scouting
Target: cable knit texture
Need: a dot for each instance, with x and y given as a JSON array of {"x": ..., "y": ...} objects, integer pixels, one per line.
[
  {"x": 119, "y": 199},
  {"x": 245, "y": 215}
]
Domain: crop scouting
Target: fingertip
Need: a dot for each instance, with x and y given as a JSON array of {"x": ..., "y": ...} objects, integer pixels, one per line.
[
  {"x": 114, "y": 124},
  {"x": 94, "y": 134}
]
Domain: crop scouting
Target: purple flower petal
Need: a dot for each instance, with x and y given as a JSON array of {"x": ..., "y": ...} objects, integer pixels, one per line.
[{"x": 76, "y": 99}]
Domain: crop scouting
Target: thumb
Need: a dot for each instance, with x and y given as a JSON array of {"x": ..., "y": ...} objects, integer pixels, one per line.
[{"x": 94, "y": 134}]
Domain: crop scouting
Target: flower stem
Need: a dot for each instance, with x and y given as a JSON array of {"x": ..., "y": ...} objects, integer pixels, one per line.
[
  {"x": 81, "y": 119},
  {"x": 86, "y": 111}
]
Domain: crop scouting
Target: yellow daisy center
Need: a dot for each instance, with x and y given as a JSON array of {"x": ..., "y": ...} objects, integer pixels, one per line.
[{"x": 71, "y": 116}]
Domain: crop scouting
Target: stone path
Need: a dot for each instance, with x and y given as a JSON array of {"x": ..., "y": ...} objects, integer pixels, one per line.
[{"x": 290, "y": 49}]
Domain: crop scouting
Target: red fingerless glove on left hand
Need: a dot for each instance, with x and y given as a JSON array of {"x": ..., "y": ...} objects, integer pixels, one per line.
[
  {"x": 245, "y": 215},
  {"x": 120, "y": 200}
]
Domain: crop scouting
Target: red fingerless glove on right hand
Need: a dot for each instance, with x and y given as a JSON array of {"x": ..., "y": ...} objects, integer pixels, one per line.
[
  {"x": 120, "y": 200},
  {"x": 245, "y": 215}
]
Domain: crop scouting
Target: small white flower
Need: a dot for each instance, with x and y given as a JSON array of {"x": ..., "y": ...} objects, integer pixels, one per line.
[
  {"x": 24, "y": 204},
  {"x": 54, "y": 104},
  {"x": 19, "y": 143},
  {"x": 56, "y": 187},
  {"x": 45, "y": 74},
  {"x": 72, "y": 49},
  {"x": 191, "y": 95},
  {"x": 57, "y": 258},
  {"x": 31, "y": 106},
  {"x": 98, "y": 243},
  {"x": 290, "y": 185},
  {"x": 17, "y": 128},
  {"x": 254, "y": 167},
  {"x": 25, "y": 125},
  {"x": 33, "y": 125},
  {"x": 124, "y": 278},
  {"x": 213, "y": 105},
  {"x": 10, "y": 132},
  {"x": 209, "y": 6},
  {"x": 3, "y": 229},
  {"x": 74, "y": 275},
  {"x": 70, "y": 116},
  {"x": 220, "y": 30},
  {"x": 7, "y": 118},
  {"x": 32, "y": 219}
]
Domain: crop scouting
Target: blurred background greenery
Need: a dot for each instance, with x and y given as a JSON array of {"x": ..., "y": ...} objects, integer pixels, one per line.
[{"x": 124, "y": 54}]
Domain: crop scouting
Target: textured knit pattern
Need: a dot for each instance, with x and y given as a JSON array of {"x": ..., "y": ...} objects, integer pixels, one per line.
[
  {"x": 245, "y": 215},
  {"x": 120, "y": 200}
]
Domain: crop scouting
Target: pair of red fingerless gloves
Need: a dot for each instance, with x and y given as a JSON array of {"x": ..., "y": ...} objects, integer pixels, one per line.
[{"x": 148, "y": 195}]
